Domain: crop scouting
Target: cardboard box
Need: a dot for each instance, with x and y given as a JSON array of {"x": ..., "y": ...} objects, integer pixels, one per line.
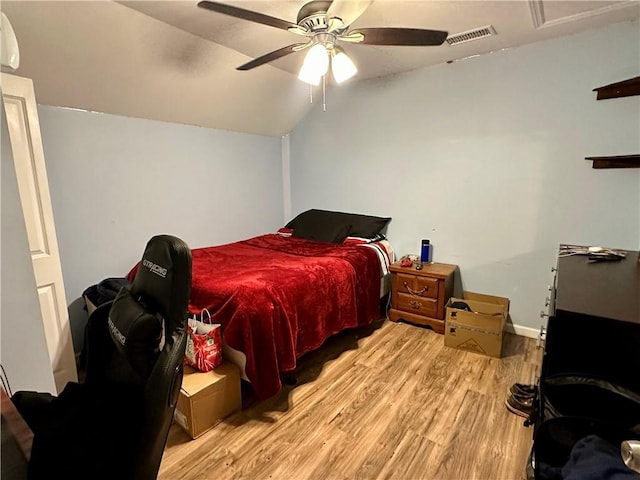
[
  {"x": 480, "y": 330},
  {"x": 207, "y": 397}
]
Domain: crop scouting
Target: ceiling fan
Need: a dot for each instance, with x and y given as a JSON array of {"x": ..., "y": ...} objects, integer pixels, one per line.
[{"x": 324, "y": 24}]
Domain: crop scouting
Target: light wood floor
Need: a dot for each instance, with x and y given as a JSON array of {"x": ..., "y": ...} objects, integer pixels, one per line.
[{"x": 388, "y": 401}]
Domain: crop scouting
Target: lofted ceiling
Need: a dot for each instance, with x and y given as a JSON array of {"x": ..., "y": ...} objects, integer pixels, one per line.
[{"x": 175, "y": 62}]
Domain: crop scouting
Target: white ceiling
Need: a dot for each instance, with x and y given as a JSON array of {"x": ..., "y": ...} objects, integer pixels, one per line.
[{"x": 173, "y": 61}]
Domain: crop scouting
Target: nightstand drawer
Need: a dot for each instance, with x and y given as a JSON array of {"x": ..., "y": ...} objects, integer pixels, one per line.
[
  {"x": 417, "y": 305},
  {"x": 415, "y": 285}
]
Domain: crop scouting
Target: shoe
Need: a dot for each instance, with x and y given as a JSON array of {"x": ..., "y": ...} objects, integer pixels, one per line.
[
  {"x": 522, "y": 390},
  {"x": 518, "y": 404}
]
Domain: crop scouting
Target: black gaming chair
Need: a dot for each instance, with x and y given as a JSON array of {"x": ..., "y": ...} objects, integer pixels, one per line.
[{"x": 115, "y": 424}]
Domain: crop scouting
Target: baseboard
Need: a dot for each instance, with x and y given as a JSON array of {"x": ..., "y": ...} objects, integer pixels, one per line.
[{"x": 522, "y": 331}]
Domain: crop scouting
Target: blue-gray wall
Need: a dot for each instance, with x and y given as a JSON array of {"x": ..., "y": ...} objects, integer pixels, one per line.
[
  {"x": 117, "y": 181},
  {"x": 485, "y": 157}
]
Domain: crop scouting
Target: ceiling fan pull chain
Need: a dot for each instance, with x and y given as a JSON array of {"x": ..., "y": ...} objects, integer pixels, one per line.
[
  {"x": 310, "y": 93},
  {"x": 324, "y": 94}
]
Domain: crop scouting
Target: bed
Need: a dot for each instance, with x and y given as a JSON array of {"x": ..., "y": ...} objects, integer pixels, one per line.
[
  {"x": 384, "y": 254},
  {"x": 281, "y": 295}
]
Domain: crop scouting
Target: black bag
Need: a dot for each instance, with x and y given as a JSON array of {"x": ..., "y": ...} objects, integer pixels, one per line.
[
  {"x": 105, "y": 291},
  {"x": 581, "y": 422}
]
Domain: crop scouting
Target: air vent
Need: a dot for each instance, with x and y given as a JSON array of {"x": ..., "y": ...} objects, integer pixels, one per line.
[{"x": 475, "y": 34}]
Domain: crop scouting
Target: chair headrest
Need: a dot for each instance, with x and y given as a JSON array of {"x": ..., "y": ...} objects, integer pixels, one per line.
[
  {"x": 163, "y": 281},
  {"x": 160, "y": 291}
]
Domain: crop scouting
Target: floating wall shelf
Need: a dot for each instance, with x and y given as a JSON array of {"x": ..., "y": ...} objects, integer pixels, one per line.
[
  {"x": 617, "y": 161},
  {"x": 626, "y": 88}
]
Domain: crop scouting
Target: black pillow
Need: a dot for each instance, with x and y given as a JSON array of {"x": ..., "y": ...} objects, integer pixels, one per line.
[
  {"x": 366, "y": 226},
  {"x": 321, "y": 232}
]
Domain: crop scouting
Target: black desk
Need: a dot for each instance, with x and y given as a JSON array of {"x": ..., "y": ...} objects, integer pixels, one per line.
[
  {"x": 594, "y": 324},
  {"x": 589, "y": 382}
]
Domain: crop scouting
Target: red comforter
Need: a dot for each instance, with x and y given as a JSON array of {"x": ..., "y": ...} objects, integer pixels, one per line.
[{"x": 278, "y": 298}]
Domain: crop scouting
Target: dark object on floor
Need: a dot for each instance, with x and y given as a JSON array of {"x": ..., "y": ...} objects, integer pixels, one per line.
[
  {"x": 115, "y": 425},
  {"x": 594, "y": 458},
  {"x": 520, "y": 405},
  {"x": 574, "y": 407},
  {"x": 522, "y": 390},
  {"x": 591, "y": 458},
  {"x": 461, "y": 306}
]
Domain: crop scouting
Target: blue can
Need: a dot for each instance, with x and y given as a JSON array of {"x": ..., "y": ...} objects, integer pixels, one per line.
[{"x": 425, "y": 252}]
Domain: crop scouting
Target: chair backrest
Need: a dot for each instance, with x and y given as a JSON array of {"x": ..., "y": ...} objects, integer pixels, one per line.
[
  {"x": 116, "y": 423},
  {"x": 163, "y": 281},
  {"x": 152, "y": 311}
]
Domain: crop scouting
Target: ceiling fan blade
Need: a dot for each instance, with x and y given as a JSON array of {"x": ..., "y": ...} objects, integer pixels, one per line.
[
  {"x": 276, "y": 54},
  {"x": 401, "y": 36},
  {"x": 246, "y": 15},
  {"x": 347, "y": 10}
]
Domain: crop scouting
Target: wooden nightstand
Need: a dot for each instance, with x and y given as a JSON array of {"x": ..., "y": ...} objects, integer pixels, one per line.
[{"x": 420, "y": 296}]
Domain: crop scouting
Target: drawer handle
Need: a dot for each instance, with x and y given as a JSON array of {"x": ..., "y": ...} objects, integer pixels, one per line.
[
  {"x": 415, "y": 304},
  {"x": 414, "y": 292}
]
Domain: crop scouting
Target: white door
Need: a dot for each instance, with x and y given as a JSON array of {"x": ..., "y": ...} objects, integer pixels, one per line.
[{"x": 24, "y": 131}]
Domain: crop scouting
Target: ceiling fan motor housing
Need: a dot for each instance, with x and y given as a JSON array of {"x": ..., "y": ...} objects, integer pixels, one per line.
[{"x": 312, "y": 16}]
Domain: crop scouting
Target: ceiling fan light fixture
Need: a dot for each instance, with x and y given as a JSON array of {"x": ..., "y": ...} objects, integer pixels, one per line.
[
  {"x": 308, "y": 77},
  {"x": 10, "y": 53},
  {"x": 315, "y": 65},
  {"x": 342, "y": 66}
]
